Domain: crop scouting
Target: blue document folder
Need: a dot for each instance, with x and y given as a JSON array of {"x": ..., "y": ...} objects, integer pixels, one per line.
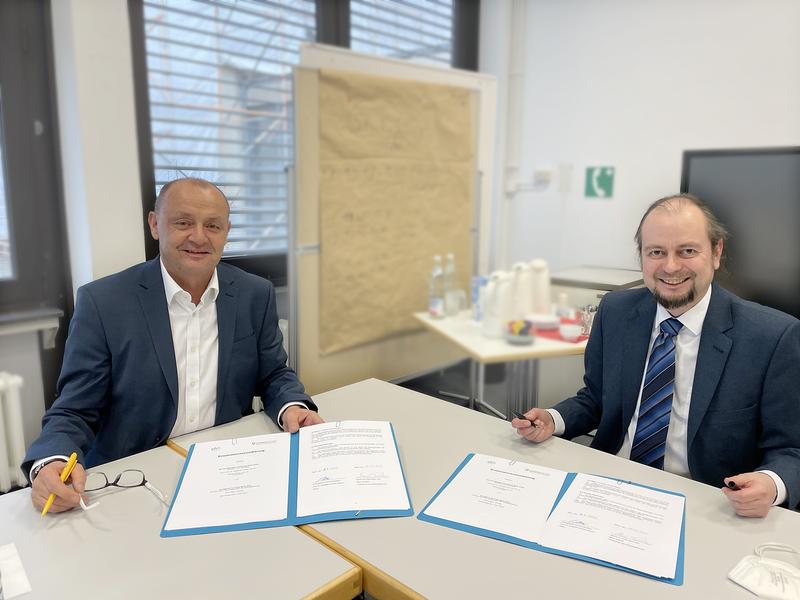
[
  {"x": 291, "y": 518},
  {"x": 677, "y": 580}
]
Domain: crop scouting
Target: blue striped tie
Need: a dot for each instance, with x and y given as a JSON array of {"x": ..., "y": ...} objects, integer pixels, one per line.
[{"x": 650, "y": 440}]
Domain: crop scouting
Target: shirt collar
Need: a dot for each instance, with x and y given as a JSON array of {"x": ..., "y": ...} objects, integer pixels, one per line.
[
  {"x": 692, "y": 319},
  {"x": 172, "y": 289}
]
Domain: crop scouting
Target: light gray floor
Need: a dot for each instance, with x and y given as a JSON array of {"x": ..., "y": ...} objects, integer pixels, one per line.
[{"x": 451, "y": 384}]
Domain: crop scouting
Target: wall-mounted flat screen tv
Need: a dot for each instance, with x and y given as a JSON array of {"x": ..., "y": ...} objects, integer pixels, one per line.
[{"x": 756, "y": 194}]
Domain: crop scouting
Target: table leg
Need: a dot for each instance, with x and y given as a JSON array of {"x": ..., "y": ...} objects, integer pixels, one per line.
[
  {"x": 473, "y": 375},
  {"x": 534, "y": 383},
  {"x": 479, "y": 398},
  {"x": 481, "y": 382},
  {"x": 511, "y": 387},
  {"x": 529, "y": 382},
  {"x": 523, "y": 386}
]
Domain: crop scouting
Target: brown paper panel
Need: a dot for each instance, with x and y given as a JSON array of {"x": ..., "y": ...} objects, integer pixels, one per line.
[{"x": 396, "y": 187}]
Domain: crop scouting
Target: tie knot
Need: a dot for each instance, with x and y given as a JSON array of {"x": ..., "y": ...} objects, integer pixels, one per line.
[{"x": 671, "y": 327}]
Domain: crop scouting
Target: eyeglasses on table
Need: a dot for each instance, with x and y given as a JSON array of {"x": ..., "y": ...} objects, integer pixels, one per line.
[{"x": 129, "y": 478}]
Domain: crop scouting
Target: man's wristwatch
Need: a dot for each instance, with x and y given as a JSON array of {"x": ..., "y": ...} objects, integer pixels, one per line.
[{"x": 38, "y": 468}]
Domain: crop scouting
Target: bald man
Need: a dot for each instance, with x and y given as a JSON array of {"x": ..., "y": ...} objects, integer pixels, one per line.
[
  {"x": 169, "y": 346},
  {"x": 686, "y": 377}
]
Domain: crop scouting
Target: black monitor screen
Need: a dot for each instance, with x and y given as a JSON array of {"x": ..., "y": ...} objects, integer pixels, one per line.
[{"x": 756, "y": 194}]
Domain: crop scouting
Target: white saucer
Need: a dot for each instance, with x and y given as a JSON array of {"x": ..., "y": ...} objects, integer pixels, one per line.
[{"x": 544, "y": 322}]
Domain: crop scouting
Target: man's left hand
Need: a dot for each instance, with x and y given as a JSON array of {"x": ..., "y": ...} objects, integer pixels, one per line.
[
  {"x": 755, "y": 495},
  {"x": 296, "y": 417}
]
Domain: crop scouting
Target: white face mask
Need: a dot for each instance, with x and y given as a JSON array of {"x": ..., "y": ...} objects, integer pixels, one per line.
[{"x": 768, "y": 577}]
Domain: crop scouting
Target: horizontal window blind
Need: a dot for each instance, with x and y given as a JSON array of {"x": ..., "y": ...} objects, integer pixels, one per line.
[
  {"x": 420, "y": 30},
  {"x": 220, "y": 89}
]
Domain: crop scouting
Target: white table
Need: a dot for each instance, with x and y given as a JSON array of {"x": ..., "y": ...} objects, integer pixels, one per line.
[
  {"x": 523, "y": 360},
  {"x": 405, "y": 557},
  {"x": 114, "y": 550}
]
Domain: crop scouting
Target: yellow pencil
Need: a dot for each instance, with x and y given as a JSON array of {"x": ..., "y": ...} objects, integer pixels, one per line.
[{"x": 65, "y": 473}]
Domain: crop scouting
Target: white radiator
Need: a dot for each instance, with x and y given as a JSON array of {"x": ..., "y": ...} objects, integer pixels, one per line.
[{"x": 12, "y": 438}]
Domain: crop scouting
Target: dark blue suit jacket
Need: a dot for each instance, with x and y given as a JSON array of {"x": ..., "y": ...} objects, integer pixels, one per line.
[
  {"x": 745, "y": 404},
  {"x": 118, "y": 389}
]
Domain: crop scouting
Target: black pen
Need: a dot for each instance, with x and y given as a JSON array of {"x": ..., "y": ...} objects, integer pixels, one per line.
[
  {"x": 732, "y": 485},
  {"x": 523, "y": 418}
]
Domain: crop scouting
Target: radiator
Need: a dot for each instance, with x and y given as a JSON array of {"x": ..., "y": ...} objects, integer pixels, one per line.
[{"x": 12, "y": 435}]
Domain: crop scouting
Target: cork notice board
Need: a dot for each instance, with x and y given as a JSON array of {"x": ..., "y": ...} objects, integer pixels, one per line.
[{"x": 396, "y": 186}]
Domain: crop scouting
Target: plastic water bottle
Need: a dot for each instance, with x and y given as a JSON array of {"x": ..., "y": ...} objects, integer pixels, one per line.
[
  {"x": 450, "y": 299},
  {"x": 478, "y": 295},
  {"x": 436, "y": 289},
  {"x": 563, "y": 309}
]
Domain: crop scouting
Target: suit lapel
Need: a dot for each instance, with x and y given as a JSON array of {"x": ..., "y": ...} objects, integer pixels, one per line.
[
  {"x": 711, "y": 358},
  {"x": 154, "y": 306},
  {"x": 635, "y": 347},
  {"x": 226, "y": 324}
]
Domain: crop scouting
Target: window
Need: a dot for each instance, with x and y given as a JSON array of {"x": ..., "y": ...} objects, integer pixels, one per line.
[
  {"x": 409, "y": 29},
  {"x": 34, "y": 263},
  {"x": 214, "y": 93},
  {"x": 220, "y": 90},
  {"x": 6, "y": 257}
]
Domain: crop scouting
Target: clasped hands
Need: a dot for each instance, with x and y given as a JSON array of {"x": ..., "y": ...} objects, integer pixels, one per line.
[{"x": 752, "y": 495}]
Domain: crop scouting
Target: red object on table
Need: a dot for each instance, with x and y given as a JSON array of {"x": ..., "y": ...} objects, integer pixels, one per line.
[{"x": 553, "y": 334}]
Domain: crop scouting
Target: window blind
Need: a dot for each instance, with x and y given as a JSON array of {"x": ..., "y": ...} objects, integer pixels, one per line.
[
  {"x": 220, "y": 89},
  {"x": 419, "y": 30}
]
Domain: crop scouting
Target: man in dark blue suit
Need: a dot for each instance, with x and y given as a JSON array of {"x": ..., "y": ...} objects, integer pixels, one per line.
[
  {"x": 686, "y": 376},
  {"x": 173, "y": 345}
]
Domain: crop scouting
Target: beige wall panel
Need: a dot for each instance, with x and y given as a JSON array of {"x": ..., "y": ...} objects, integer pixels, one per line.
[
  {"x": 386, "y": 359},
  {"x": 307, "y": 156},
  {"x": 396, "y": 186},
  {"x": 390, "y": 358}
]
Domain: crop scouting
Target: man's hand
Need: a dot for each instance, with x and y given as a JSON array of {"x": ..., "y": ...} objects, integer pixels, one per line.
[
  {"x": 296, "y": 417},
  {"x": 48, "y": 481},
  {"x": 538, "y": 427},
  {"x": 755, "y": 495}
]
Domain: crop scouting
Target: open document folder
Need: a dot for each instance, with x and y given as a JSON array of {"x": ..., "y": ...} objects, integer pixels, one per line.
[
  {"x": 326, "y": 472},
  {"x": 606, "y": 521}
]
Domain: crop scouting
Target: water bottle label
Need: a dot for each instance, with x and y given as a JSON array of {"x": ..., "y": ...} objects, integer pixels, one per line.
[
  {"x": 436, "y": 307},
  {"x": 478, "y": 282}
]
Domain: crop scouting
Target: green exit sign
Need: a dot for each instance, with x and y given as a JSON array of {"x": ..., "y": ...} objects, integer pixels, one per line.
[{"x": 599, "y": 182}]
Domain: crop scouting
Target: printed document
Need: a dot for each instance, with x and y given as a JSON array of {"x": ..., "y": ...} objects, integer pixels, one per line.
[
  {"x": 618, "y": 522},
  {"x": 506, "y": 496},
  {"x": 325, "y": 472},
  {"x": 235, "y": 481},
  {"x": 349, "y": 465}
]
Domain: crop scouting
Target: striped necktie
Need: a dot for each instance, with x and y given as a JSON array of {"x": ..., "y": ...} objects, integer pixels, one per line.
[{"x": 650, "y": 441}]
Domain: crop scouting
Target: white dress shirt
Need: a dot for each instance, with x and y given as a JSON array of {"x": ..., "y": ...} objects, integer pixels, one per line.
[
  {"x": 195, "y": 340},
  {"x": 687, "y": 346}
]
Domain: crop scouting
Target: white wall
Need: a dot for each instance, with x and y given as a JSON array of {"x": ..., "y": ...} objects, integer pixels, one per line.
[
  {"x": 19, "y": 355},
  {"x": 96, "y": 113},
  {"x": 632, "y": 83}
]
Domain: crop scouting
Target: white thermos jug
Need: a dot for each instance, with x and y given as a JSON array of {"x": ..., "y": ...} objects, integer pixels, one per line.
[
  {"x": 522, "y": 290},
  {"x": 497, "y": 298},
  {"x": 540, "y": 277}
]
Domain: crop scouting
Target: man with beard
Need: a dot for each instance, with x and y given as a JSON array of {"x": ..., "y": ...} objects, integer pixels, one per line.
[{"x": 685, "y": 376}]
